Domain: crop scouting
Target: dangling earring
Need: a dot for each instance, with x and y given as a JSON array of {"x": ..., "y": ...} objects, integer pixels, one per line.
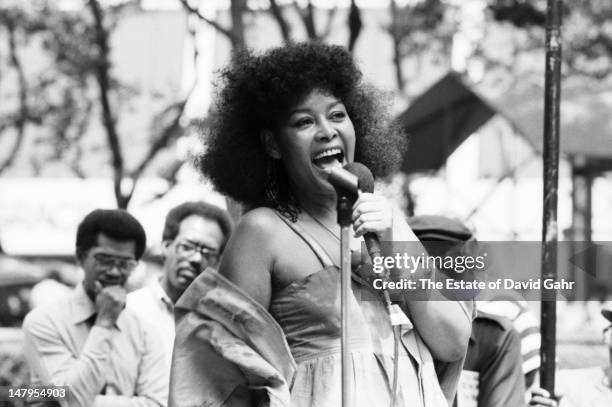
[
  {"x": 271, "y": 184},
  {"x": 287, "y": 206}
]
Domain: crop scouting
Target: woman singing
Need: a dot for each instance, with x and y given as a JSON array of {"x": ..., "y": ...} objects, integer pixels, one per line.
[{"x": 284, "y": 117}]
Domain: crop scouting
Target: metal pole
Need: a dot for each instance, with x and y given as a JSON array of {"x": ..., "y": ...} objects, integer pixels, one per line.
[
  {"x": 552, "y": 98},
  {"x": 345, "y": 289},
  {"x": 345, "y": 205}
]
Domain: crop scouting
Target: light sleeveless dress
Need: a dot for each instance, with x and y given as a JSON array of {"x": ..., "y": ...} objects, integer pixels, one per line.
[{"x": 308, "y": 311}]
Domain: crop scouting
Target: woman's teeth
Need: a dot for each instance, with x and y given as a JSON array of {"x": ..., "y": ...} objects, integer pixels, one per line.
[
  {"x": 327, "y": 153},
  {"x": 331, "y": 157}
]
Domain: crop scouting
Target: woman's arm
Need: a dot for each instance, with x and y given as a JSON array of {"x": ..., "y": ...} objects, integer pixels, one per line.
[
  {"x": 444, "y": 325},
  {"x": 248, "y": 258}
]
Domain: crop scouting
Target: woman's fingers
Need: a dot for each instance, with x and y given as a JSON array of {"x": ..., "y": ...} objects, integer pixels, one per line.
[
  {"x": 368, "y": 217},
  {"x": 368, "y": 206},
  {"x": 542, "y": 401},
  {"x": 541, "y": 397},
  {"x": 372, "y": 213},
  {"x": 374, "y": 225}
]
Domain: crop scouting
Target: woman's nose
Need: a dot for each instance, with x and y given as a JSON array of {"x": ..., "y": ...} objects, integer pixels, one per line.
[{"x": 326, "y": 130}]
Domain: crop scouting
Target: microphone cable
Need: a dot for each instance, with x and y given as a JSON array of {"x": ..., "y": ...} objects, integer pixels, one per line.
[{"x": 397, "y": 318}]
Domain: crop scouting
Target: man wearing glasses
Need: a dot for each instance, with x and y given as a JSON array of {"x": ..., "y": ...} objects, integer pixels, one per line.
[
  {"x": 194, "y": 236},
  {"x": 103, "y": 353}
]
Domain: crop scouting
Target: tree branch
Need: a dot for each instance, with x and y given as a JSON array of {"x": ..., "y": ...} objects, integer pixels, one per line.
[
  {"x": 237, "y": 9},
  {"x": 101, "y": 68},
  {"x": 395, "y": 35},
  {"x": 22, "y": 117},
  {"x": 13, "y": 152},
  {"x": 164, "y": 138},
  {"x": 173, "y": 129},
  {"x": 307, "y": 17},
  {"x": 284, "y": 27},
  {"x": 230, "y": 35},
  {"x": 75, "y": 163},
  {"x": 355, "y": 25},
  {"x": 329, "y": 23}
]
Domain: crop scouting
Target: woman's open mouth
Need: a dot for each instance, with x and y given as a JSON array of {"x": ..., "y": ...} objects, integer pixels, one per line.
[{"x": 329, "y": 158}]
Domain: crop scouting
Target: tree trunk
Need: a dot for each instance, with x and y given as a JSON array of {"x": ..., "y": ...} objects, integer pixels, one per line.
[
  {"x": 397, "y": 58},
  {"x": 102, "y": 67},
  {"x": 238, "y": 7},
  {"x": 23, "y": 115},
  {"x": 284, "y": 27},
  {"x": 355, "y": 25}
]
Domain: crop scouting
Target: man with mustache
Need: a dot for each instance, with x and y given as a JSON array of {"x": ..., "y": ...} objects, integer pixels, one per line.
[
  {"x": 194, "y": 237},
  {"x": 103, "y": 353}
]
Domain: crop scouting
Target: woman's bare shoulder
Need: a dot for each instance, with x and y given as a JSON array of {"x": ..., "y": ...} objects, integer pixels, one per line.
[
  {"x": 249, "y": 257},
  {"x": 261, "y": 223},
  {"x": 262, "y": 219},
  {"x": 256, "y": 230}
]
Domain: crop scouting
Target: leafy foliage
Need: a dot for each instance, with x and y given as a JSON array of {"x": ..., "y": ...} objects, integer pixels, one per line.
[
  {"x": 521, "y": 13},
  {"x": 586, "y": 31},
  {"x": 424, "y": 28}
]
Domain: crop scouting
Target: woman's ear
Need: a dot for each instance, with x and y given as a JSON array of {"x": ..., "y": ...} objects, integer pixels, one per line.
[{"x": 269, "y": 144}]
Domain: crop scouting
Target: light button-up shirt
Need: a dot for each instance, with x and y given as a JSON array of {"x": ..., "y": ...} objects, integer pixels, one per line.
[
  {"x": 152, "y": 304},
  {"x": 123, "y": 366}
]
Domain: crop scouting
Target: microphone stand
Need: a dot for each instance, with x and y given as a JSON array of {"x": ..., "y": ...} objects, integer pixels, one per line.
[
  {"x": 347, "y": 186},
  {"x": 345, "y": 209}
]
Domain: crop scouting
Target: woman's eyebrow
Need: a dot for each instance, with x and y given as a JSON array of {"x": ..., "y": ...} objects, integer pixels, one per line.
[
  {"x": 308, "y": 110},
  {"x": 299, "y": 110}
]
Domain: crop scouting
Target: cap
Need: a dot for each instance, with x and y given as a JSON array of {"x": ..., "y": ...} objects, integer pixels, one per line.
[{"x": 435, "y": 227}]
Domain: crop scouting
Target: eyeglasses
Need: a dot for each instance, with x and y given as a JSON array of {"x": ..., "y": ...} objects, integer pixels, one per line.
[
  {"x": 607, "y": 335},
  {"x": 187, "y": 249},
  {"x": 108, "y": 262}
]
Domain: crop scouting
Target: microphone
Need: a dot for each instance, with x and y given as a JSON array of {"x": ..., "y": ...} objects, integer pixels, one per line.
[
  {"x": 351, "y": 178},
  {"x": 345, "y": 182},
  {"x": 364, "y": 176}
]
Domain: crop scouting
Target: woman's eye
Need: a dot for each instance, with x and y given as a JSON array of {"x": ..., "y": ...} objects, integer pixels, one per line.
[
  {"x": 302, "y": 122},
  {"x": 338, "y": 115}
]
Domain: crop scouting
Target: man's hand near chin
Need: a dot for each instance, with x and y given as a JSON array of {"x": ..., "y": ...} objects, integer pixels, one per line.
[{"x": 110, "y": 301}]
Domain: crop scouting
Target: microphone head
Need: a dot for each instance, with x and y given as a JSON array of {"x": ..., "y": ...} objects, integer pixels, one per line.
[{"x": 363, "y": 174}]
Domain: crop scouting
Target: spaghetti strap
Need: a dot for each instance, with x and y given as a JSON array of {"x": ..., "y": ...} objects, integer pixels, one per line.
[{"x": 319, "y": 251}]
